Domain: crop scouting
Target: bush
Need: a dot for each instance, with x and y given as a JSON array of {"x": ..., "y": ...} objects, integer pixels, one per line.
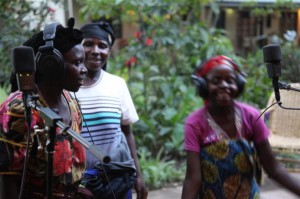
[
  {"x": 158, "y": 71},
  {"x": 159, "y": 172}
]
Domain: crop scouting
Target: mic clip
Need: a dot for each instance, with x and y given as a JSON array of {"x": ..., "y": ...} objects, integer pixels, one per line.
[
  {"x": 31, "y": 101},
  {"x": 284, "y": 86},
  {"x": 39, "y": 136},
  {"x": 287, "y": 87}
]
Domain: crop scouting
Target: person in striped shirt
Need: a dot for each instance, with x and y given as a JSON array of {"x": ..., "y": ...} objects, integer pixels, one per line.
[{"x": 108, "y": 111}]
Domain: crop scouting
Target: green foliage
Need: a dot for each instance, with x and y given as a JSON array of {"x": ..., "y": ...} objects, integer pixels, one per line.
[
  {"x": 159, "y": 61},
  {"x": 158, "y": 172},
  {"x": 135, "y": 10},
  {"x": 16, "y": 20},
  {"x": 273, "y": 8}
]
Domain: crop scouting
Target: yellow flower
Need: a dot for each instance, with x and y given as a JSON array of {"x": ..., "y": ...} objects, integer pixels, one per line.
[
  {"x": 167, "y": 16},
  {"x": 130, "y": 12}
]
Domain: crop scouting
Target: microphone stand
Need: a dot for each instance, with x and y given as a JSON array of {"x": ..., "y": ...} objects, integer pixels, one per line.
[
  {"x": 287, "y": 87},
  {"x": 52, "y": 120},
  {"x": 284, "y": 86},
  {"x": 28, "y": 118}
]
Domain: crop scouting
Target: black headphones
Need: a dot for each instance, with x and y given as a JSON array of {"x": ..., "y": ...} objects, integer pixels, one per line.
[
  {"x": 49, "y": 61},
  {"x": 201, "y": 83}
]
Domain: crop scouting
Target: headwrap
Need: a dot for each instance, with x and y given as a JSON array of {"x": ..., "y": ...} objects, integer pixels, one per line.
[
  {"x": 65, "y": 38},
  {"x": 211, "y": 63},
  {"x": 99, "y": 30}
]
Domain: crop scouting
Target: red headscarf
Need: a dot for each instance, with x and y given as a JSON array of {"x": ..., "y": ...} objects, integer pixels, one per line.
[{"x": 208, "y": 65}]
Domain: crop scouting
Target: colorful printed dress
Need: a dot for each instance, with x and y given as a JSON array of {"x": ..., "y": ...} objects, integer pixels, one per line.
[
  {"x": 226, "y": 173},
  {"x": 226, "y": 163},
  {"x": 69, "y": 155}
]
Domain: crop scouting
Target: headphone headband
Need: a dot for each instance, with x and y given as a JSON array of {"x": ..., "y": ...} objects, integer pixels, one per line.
[{"x": 49, "y": 60}]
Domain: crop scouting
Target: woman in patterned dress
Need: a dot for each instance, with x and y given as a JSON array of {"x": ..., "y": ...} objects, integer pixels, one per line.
[
  {"x": 52, "y": 88},
  {"x": 223, "y": 137}
]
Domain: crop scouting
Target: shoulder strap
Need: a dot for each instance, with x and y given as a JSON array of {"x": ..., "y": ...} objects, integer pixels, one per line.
[{"x": 75, "y": 111}]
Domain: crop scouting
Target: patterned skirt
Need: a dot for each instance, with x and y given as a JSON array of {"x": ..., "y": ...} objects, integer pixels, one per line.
[{"x": 227, "y": 172}]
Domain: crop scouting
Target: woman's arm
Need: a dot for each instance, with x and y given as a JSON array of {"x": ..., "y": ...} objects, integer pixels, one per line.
[
  {"x": 192, "y": 182},
  {"x": 274, "y": 169},
  {"x": 140, "y": 186}
]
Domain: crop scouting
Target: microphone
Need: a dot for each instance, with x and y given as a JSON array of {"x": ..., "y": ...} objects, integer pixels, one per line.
[
  {"x": 23, "y": 60},
  {"x": 272, "y": 58},
  {"x": 24, "y": 67}
]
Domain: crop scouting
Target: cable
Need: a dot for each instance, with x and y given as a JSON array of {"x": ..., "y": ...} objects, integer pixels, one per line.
[
  {"x": 83, "y": 118},
  {"x": 287, "y": 87},
  {"x": 287, "y": 108},
  {"x": 28, "y": 118},
  {"x": 25, "y": 166},
  {"x": 279, "y": 103},
  {"x": 104, "y": 171}
]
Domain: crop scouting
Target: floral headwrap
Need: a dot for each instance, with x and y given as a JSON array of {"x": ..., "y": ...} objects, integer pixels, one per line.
[{"x": 210, "y": 64}]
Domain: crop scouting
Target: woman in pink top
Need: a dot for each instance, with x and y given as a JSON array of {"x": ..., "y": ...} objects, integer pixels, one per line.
[{"x": 222, "y": 138}]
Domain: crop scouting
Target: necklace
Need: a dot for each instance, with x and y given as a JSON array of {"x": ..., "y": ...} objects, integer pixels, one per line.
[{"x": 219, "y": 132}]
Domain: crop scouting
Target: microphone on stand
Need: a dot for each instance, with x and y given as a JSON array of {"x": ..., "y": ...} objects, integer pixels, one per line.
[
  {"x": 23, "y": 60},
  {"x": 24, "y": 67},
  {"x": 272, "y": 58}
]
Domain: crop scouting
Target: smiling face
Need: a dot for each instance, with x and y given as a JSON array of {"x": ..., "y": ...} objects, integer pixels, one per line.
[
  {"x": 96, "y": 53},
  {"x": 222, "y": 87},
  {"x": 75, "y": 69}
]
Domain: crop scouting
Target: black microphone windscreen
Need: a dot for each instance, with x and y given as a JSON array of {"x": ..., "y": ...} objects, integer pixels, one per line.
[
  {"x": 23, "y": 59},
  {"x": 272, "y": 53}
]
